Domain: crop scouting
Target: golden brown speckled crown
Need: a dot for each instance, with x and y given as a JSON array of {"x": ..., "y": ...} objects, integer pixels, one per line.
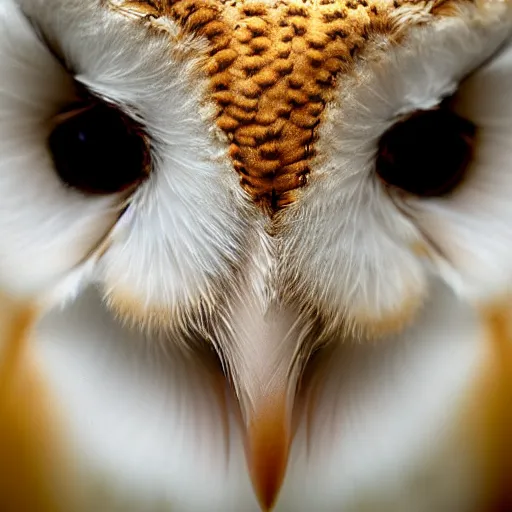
[{"x": 272, "y": 68}]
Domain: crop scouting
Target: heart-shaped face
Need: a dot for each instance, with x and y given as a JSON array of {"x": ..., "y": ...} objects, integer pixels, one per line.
[{"x": 260, "y": 177}]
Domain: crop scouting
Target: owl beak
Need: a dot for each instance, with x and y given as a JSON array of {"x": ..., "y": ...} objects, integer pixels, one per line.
[
  {"x": 268, "y": 439},
  {"x": 265, "y": 375}
]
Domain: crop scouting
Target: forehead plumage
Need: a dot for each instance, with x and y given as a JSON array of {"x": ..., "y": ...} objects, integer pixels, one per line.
[{"x": 272, "y": 68}]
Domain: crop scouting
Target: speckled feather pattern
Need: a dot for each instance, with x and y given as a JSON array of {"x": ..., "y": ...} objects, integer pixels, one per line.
[{"x": 273, "y": 67}]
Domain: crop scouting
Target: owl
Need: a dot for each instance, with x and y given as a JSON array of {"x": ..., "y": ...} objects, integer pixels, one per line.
[{"x": 255, "y": 255}]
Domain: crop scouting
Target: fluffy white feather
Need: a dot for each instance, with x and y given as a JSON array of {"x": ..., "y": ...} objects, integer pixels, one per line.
[
  {"x": 359, "y": 259},
  {"x": 46, "y": 229}
]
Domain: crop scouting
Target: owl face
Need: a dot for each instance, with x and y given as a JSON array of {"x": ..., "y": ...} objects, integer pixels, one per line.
[{"x": 262, "y": 178}]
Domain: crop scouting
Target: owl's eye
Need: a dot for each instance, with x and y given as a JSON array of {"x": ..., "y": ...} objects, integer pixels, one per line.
[
  {"x": 427, "y": 153},
  {"x": 99, "y": 150}
]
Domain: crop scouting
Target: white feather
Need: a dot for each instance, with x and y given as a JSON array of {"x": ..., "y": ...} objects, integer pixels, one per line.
[{"x": 46, "y": 229}]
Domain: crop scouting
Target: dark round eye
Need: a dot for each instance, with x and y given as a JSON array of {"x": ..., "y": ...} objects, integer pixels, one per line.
[
  {"x": 99, "y": 150},
  {"x": 427, "y": 153}
]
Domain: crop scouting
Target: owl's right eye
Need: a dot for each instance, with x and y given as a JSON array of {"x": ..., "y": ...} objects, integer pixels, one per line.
[
  {"x": 98, "y": 150},
  {"x": 427, "y": 154}
]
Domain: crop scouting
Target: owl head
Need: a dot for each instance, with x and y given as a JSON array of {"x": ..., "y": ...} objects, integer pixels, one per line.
[{"x": 259, "y": 178}]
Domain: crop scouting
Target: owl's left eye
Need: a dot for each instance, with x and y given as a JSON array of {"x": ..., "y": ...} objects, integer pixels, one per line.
[
  {"x": 98, "y": 150},
  {"x": 428, "y": 153}
]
